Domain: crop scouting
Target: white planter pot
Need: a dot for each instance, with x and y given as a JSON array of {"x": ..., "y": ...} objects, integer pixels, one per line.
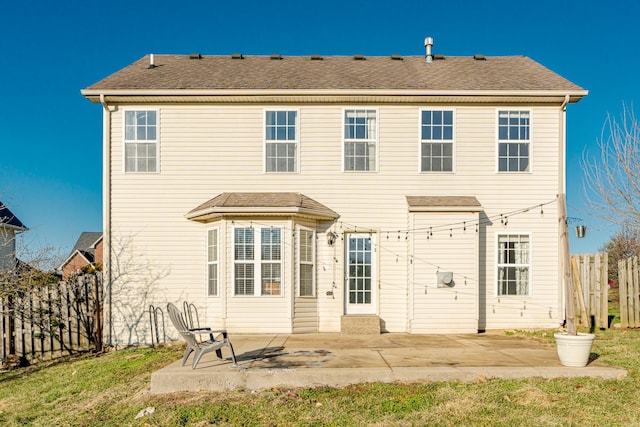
[{"x": 574, "y": 350}]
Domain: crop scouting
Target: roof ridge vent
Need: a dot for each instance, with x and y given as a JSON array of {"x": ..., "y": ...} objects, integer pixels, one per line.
[
  {"x": 396, "y": 56},
  {"x": 438, "y": 56},
  {"x": 237, "y": 56},
  {"x": 276, "y": 56},
  {"x": 195, "y": 56},
  {"x": 359, "y": 57},
  {"x": 479, "y": 57},
  {"x": 316, "y": 57}
]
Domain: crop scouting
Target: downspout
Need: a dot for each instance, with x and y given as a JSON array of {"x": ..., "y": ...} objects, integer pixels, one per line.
[
  {"x": 563, "y": 248},
  {"x": 106, "y": 210},
  {"x": 563, "y": 146}
]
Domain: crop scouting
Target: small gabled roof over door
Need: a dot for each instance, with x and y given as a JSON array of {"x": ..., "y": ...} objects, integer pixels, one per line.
[{"x": 443, "y": 204}]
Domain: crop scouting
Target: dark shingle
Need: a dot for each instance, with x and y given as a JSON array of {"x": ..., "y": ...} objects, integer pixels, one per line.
[
  {"x": 9, "y": 219},
  {"x": 502, "y": 73}
]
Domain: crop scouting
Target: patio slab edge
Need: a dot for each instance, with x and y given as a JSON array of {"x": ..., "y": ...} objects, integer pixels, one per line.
[{"x": 178, "y": 379}]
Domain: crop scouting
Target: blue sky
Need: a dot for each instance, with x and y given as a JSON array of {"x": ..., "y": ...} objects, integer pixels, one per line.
[{"x": 50, "y": 166}]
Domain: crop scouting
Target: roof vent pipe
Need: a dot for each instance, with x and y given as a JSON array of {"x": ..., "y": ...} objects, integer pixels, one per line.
[
  {"x": 428, "y": 44},
  {"x": 152, "y": 61}
]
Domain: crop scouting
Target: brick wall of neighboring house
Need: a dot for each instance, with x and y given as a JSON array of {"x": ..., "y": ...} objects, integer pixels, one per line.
[
  {"x": 75, "y": 263},
  {"x": 99, "y": 249}
]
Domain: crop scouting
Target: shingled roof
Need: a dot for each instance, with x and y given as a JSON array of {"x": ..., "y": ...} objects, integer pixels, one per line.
[
  {"x": 261, "y": 204},
  {"x": 443, "y": 203},
  {"x": 8, "y": 219},
  {"x": 334, "y": 73}
]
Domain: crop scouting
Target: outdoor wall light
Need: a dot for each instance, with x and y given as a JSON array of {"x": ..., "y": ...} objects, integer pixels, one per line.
[
  {"x": 331, "y": 238},
  {"x": 581, "y": 230}
]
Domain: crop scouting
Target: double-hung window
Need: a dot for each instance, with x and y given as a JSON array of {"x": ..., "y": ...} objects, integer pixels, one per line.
[
  {"x": 212, "y": 262},
  {"x": 514, "y": 140},
  {"x": 306, "y": 266},
  {"x": 436, "y": 150},
  {"x": 514, "y": 254},
  {"x": 281, "y": 141},
  {"x": 257, "y": 261},
  {"x": 360, "y": 140},
  {"x": 140, "y": 141}
]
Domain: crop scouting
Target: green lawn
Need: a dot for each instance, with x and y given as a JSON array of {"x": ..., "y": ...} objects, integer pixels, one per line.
[{"x": 110, "y": 389}]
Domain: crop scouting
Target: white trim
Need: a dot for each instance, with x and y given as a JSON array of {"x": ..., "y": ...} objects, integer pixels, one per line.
[
  {"x": 216, "y": 262},
  {"x": 299, "y": 230},
  {"x": 498, "y": 140},
  {"x": 296, "y": 141},
  {"x": 70, "y": 257},
  {"x": 355, "y": 309},
  {"x": 410, "y": 92},
  {"x": 377, "y": 138},
  {"x": 257, "y": 260},
  {"x": 497, "y": 264},
  {"x": 124, "y": 139},
  {"x": 453, "y": 140}
]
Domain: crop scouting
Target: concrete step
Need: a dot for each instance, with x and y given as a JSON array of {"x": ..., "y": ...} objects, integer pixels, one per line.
[{"x": 360, "y": 324}]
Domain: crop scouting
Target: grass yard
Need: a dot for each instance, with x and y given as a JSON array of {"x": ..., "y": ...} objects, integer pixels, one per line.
[{"x": 110, "y": 389}]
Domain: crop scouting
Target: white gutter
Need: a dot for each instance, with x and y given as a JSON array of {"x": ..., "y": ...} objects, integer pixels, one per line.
[
  {"x": 106, "y": 212},
  {"x": 445, "y": 208},
  {"x": 299, "y": 92}
]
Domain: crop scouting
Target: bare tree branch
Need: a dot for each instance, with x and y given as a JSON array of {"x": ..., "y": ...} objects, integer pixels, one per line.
[{"x": 612, "y": 174}]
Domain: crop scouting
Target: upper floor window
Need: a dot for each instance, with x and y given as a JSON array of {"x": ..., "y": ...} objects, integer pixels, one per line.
[
  {"x": 281, "y": 139},
  {"x": 141, "y": 141},
  {"x": 436, "y": 151},
  {"x": 360, "y": 140},
  {"x": 513, "y": 141},
  {"x": 513, "y": 264},
  {"x": 258, "y": 259},
  {"x": 212, "y": 262}
]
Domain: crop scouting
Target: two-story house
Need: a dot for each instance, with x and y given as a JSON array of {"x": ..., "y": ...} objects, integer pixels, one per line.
[
  {"x": 9, "y": 226},
  {"x": 295, "y": 194}
]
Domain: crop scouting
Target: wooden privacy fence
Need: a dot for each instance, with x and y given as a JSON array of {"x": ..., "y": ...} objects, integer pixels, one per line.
[
  {"x": 590, "y": 274},
  {"x": 629, "y": 287},
  {"x": 54, "y": 320}
]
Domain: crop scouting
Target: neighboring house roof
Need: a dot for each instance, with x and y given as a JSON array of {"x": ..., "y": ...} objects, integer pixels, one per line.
[
  {"x": 85, "y": 246},
  {"x": 8, "y": 219},
  {"x": 261, "y": 204},
  {"x": 206, "y": 74},
  {"x": 443, "y": 203}
]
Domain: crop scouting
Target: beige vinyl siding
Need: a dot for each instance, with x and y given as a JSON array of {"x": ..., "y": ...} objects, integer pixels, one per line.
[
  {"x": 209, "y": 149},
  {"x": 305, "y": 315},
  {"x": 444, "y": 309}
]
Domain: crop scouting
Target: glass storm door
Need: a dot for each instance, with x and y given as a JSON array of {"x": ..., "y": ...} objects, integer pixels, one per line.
[{"x": 360, "y": 274}]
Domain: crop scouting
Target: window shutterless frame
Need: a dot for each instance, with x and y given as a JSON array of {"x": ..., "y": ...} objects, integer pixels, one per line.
[
  {"x": 437, "y": 140},
  {"x": 306, "y": 257},
  {"x": 513, "y": 270},
  {"x": 213, "y": 262},
  {"x": 514, "y": 141},
  {"x": 258, "y": 261},
  {"x": 281, "y": 136},
  {"x": 360, "y": 140},
  {"x": 141, "y": 140}
]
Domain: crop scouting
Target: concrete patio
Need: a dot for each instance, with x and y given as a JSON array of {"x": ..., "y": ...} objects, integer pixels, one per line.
[{"x": 325, "y": 359}]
